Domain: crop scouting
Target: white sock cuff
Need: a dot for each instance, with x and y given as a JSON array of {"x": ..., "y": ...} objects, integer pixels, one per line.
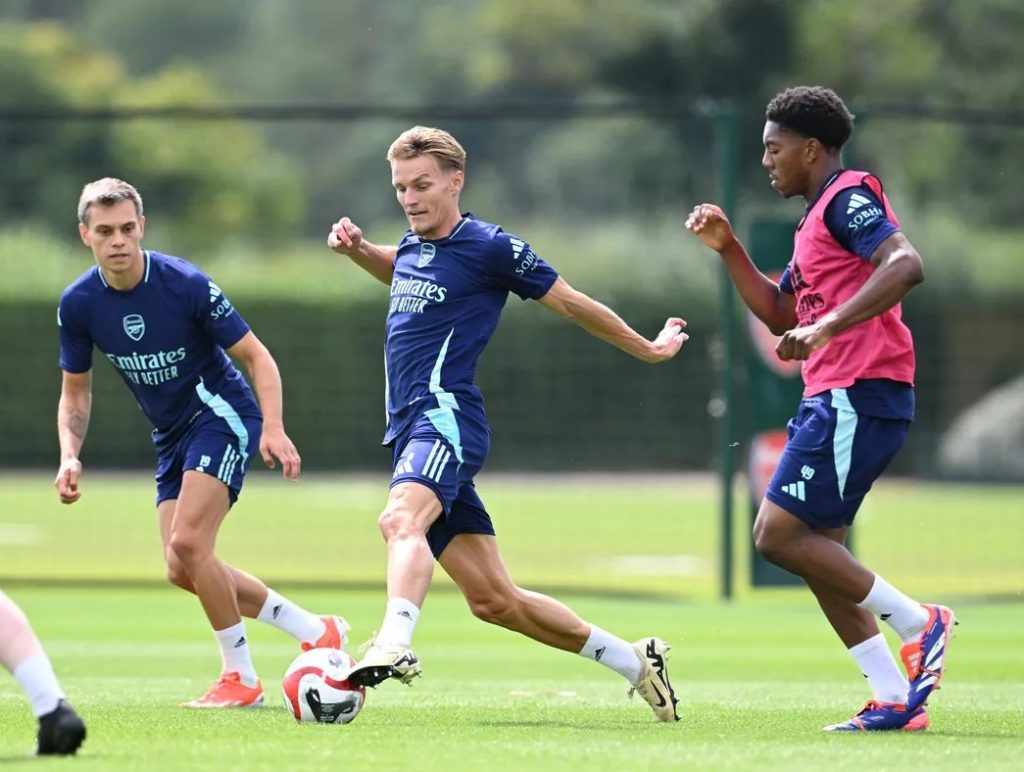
[
  {"x": 400, "y": 605},
  {"x": 903, "y": 614},
  {"x": 36, "y": 677},
  {"x": 612, "y": 652},
  {"x": 232, "y": 633},
  {"x": 872, "y": 643},
  {"x": 400, "y": 618},
  {"x": 271, "y": 607}
]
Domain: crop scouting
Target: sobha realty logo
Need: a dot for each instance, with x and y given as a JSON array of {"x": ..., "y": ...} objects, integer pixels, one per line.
[
  {"x": 427, "y": 252},
  {"x": 134, "y": 326}
]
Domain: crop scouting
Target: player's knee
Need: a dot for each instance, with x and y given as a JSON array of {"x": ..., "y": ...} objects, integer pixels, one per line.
[
  {"x": 188, "y": 547},
  {"x": 397, "y": 522},
  {"x": 496, "y": 608},
  {"x": 769, "y": 543},
  {"x": 176, "y": 573}
]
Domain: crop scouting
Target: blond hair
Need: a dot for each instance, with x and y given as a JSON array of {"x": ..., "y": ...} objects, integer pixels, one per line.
[
  {"x": 426, "y": 140},
  {"x": 107, "y": 192}
]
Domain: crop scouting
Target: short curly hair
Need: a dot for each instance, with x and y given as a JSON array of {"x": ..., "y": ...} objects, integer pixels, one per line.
[{"x": 812, "y": 111}]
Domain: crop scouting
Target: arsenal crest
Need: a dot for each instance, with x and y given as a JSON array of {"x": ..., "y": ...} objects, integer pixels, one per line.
[
  {"x": 427, "y": 252},
  {"x": 134, "y": 326}
]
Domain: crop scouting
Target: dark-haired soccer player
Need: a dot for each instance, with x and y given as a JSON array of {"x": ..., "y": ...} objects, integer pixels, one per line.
[
  {"x": 164, "y": 326},
  {"x": 450, "y": 276},
  {"x": 837, "y": 307},
  {"x": 61, "y": 730}
]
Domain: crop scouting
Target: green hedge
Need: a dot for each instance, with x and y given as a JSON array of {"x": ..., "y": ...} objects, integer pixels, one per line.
[{"x": 557, "y": 398}]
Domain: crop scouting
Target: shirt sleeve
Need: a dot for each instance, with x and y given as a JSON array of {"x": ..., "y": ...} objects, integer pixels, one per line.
[
  {"x": 75, "y": 341},
  {"x": 519, "y": 269},
  {"x": 217, "y": 316},
  {"x": 786, "y": 281},
  {"x": 857, "y": 219}
]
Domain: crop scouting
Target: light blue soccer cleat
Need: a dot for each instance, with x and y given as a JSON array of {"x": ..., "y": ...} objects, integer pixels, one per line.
[{"x": 883, "y": 717}]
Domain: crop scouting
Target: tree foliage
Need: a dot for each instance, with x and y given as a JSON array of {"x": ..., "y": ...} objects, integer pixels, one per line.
[
  {"x": 210, "y": 180},
  {"x": 213, "y": 177}
]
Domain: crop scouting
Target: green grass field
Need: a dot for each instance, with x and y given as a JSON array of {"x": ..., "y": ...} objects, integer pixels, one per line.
[
  {"x": 631, "y": 533},
  {"x": 757, "y": 680},
  {"x": 637, "y": 555}
]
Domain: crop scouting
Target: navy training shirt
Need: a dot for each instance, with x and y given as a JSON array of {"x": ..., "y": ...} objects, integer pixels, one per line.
[
  {"x": 165, "y": 337},
  {"x": 446, "y": 298}
]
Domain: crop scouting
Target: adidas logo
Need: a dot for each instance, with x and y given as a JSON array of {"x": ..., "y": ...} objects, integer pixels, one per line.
[
  {"x": 599, "y": 653},
  {"x": 885, "y": 617},
  {"x": 215, "y": 291},
  {"x": 240, "y": 642},
  {"x": 405, "y": 614},
  {"x": 277, "y": 610},
  {"x": 517, "y": 247},
  {"x": 796, "y": 490},
  {"x": 856, "y": 202}
]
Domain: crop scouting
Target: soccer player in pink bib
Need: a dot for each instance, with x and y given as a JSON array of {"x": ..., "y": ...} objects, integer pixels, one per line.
[{"x": 837, "y": 308}]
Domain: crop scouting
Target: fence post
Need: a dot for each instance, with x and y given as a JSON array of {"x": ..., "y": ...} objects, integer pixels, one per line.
[{"x": 726, "y": 124}]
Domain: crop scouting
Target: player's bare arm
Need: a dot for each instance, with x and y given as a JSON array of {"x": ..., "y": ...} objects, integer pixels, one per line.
[
  {"x": 762, "y": 296},
  {"x": 73, "y": 412},
  {"x": 898, "y": 269},
  {"x": 266, "y": 382},
  {"x": 346, "y": 238},
  {"x": 600, "y": 321}
]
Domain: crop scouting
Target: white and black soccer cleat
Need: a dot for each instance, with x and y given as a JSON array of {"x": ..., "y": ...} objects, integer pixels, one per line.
[
  {"x": 383, "y": 662},
  {"x": 653, "y": 684}
]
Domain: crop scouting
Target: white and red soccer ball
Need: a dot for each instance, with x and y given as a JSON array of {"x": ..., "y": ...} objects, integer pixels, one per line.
[{"x": 316, "y": 688}]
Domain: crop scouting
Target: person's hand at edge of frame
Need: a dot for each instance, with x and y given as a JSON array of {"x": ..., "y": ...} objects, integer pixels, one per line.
[{"x": 276, "y": 444}]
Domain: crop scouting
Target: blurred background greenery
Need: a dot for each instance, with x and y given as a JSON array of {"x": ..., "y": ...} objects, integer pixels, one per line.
[
  {"x": 592, "y": 127},
  {"x": 251, "y": 125}
]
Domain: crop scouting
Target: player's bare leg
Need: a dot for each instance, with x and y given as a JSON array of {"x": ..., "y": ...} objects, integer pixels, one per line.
[
  {"x": 476, "y": 566},
  {"x": 201, "y": 507},
  {"x": 858, "y": 630},
  {"x": 256, "y": 600},
  {"x": 61, "y": 731},
  {"x": 198, "y": 514},
  {"x": 840, "y": 581},
  {"x": 828, "y": 566},
  {"x": 251, "y": 593},
  {"x": 474, "y": 563},
  {"x": 411, "y": 510}
]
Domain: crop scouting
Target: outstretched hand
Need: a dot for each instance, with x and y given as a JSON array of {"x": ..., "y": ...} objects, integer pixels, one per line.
[
  {"x": 709, "y": 223},
  {"x": 66, "y": 481},
  {"x": 345, "y": 237},
  {"x": 669, "y": 340},
  {"x": 275, "y": 444}
]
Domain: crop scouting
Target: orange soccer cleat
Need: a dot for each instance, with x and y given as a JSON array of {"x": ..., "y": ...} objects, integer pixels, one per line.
[
  {"x": 925, "y": 658},
  {"x": 335, "y": 635},
  {"x": 229, "y": 692}
]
